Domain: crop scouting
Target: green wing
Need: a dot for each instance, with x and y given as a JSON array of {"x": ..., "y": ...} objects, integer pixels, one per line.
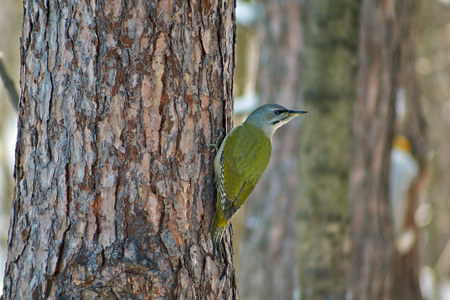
[{"x": 244, "y": 159}]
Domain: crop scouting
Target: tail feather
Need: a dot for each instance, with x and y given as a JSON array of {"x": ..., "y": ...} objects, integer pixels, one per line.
[{"x": 216, "y": 235}]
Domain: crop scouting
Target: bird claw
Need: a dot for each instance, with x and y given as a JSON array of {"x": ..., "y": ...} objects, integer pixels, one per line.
[{"x": 217, "y": 143}]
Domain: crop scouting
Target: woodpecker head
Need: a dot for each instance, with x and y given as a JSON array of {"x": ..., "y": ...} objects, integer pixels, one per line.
[{"x": 270, "y": 117}]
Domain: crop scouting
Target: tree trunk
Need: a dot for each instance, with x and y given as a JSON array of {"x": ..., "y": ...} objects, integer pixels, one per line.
[
  {"x": 382, "y": 29},
  {"x": 331, "y": 40},
  {"x": 270, "y": 233},
  {"x": 114, "y": 188},
  {"x": 407, "y": 265}
]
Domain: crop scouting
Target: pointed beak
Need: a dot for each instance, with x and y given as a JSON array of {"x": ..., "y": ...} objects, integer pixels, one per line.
[{"x": 296, "y": 112}]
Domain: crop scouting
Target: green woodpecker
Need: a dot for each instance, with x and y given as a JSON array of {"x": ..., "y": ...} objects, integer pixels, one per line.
[{"x": 241, "y": 160}]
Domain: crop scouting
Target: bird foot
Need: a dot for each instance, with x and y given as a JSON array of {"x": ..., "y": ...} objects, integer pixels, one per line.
[{"x": 217, "y": 143}]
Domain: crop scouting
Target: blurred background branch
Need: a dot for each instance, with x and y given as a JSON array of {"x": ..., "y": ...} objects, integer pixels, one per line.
[{"x": 8, "y": 83}]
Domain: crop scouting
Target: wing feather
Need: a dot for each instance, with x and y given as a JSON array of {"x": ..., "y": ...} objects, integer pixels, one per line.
[{"x": 242, "y": 166}]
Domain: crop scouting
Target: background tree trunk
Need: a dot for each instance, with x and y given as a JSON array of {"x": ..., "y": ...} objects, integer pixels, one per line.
[
  {"x": 270, "y": 233},
  {"x": 381, "y": 33},
  {"x": 407, "y": 265},
  {"x": 114, "y": 193},
  {"x": 331, "y": 40}
]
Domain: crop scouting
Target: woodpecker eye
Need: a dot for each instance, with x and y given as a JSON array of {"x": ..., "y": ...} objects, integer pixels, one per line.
[{"x": 276, "y": 112}]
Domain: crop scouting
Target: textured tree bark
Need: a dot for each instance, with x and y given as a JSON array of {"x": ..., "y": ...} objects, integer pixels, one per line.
[
  {"x": 331, "y": 40},
  {"x": 407, "y": 265},
  {"x": 382, "y": 29},
  {"x": 268, "y": 256},
  {"x": 114, "y": 192}
]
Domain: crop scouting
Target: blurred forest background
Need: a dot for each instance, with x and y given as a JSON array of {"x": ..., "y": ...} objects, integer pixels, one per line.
[{"x": 269, "y": 68}]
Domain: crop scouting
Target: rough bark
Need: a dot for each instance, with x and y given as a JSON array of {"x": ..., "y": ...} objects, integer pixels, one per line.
[
  {"x": 268, "y": 257},
  {"x": 331, "y": 40},
  {"x": 381, "y": 31},
  {"x": 114, "y": 193},
  {"x": 407, "y": 265}
]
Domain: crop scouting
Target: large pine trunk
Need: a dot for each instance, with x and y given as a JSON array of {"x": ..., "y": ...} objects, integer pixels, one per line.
[{"x": 114, "y": 188}]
